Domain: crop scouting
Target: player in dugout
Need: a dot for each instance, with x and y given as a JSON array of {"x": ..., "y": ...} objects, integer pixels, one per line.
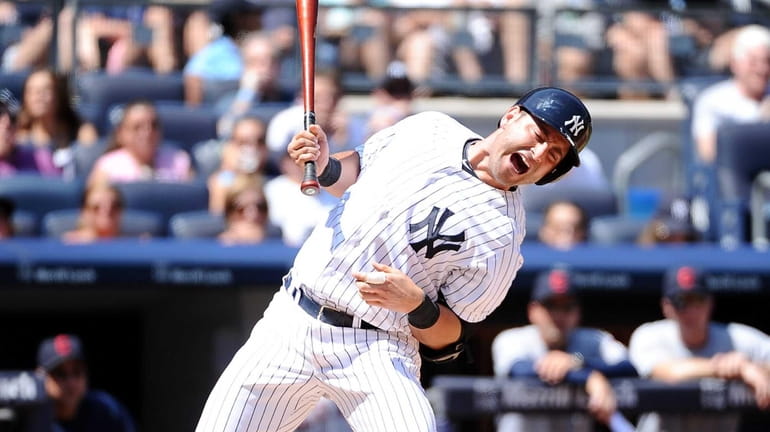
[
  {"x": 425, "y": 239},
  {"x": 555, "y": 349}
]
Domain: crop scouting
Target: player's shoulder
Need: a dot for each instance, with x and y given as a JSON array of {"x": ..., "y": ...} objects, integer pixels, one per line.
[
  {"x": 517, "y": 334},
  {"x": 741, "y": 329},
  {"x": 654, "y": 328},
  {"x": 425, "y": 118}
]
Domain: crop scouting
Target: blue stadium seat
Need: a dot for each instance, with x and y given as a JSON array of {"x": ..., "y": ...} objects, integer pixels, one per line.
[
  {"x": 196, "y": 224},
  {"x": 99, "y": 91},
  {"x": 24, "y": 223},
  {"x": 595, "y": 201},
  {"x": 164, "y": 198},
  {"x": 186, "y": 125},
  {"x": 743, "y": 154},
  {"x": 609, "y": 230},
  {"x": 134, "y": 222},
  {"x": 85, "y": 156},
  {"x": 40, "y": 195},
  {"x": 14, "y": 82}
]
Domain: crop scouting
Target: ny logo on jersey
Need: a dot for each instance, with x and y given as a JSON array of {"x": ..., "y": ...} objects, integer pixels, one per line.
[
  {"x": 435, "y": 223},
  {"x": 577, "y": 124}
]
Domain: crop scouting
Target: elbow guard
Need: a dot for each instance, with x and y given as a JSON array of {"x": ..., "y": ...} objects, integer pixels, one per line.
[{"x": 450, "y": 352}]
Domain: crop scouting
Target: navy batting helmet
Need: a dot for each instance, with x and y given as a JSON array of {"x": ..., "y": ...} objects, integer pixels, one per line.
[{"x": 567, "y": 114}]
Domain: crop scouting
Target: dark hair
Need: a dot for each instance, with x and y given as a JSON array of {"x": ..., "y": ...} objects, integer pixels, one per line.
[
  {"x": 112, "y": 143},
  {"x": 582, "y": 223},
  {"x": 68, "y": 121}
]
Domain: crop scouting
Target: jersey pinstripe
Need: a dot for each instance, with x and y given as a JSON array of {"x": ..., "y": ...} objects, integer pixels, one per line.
[{"x": 409, "y": 202}]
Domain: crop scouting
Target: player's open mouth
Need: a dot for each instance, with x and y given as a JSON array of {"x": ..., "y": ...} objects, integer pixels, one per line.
[{"x": 519, "y": 164}]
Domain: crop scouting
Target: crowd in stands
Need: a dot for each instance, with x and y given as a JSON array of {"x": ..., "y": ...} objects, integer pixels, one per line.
[{"x": 235, "y": 62}]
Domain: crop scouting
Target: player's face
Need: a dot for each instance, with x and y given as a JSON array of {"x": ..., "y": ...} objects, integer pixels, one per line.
[
  {"x": 67, "y": 383},
  {"x": 524, "y": 150}
]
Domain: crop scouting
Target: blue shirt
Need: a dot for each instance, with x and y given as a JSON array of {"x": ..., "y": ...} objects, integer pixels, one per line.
[
  {"x": 218, "y": 60},
  {"x": 99, "y": 412}
]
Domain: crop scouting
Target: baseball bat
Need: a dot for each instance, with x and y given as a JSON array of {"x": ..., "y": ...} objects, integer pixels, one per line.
[{"x": 307, "y": 19}]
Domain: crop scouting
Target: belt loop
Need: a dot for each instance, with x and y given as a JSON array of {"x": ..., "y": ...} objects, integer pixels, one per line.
[{"x": 356, "y": 322}]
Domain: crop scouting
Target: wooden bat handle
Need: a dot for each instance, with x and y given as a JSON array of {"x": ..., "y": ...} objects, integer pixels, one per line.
[{"x": 307, "y": 19}]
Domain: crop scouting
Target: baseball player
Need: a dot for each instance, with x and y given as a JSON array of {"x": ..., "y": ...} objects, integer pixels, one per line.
[
  {"x": 555, "y": 349},
  {"x": 425, "y": 239}
]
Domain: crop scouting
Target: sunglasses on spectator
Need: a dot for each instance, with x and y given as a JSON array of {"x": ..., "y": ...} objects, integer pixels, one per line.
[
  {"x": 64, "y": 372},
  {"x": 112, "y": 207}
]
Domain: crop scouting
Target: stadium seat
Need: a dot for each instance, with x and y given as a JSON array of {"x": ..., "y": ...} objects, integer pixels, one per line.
[
  {"x": 595, "y": 201},
  {"x": 743, "y": 154},
  {"x": 98, "y": 92},
  {"x": 610, "y": 230},
  {"x": 85, "y": 156},
  {"x": 24, "y": 223},
  {"x": 186, "y": 125},
  {"x": 164, "y": 198},
  {"x": 196, "y": 224},
  {"x": 134, "y": 223},
  {"x": 14, "y": 83},
  {"x": 39, "y": 195}
]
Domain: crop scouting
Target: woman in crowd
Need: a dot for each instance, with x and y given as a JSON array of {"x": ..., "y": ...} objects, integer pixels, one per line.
[
  {"x": 48, "y": 121},
  {"x": 101, "y": 212},
  {"x": 135, "y": 152},
  {"x": 246, "y": 213},
  {"x": 245, "y": 153}
]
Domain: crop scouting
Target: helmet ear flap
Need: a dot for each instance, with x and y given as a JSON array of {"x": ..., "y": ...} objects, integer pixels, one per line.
[{"x": 562, "y": 168}]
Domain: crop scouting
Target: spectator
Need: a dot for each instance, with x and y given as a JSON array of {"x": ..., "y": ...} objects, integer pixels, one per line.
[
  {"x": 28, "y": 49},
  {"x": 246, "y": 213},
  {"x": 101, "y": 212},
  {"x": 77, "y": 408},
  {"x": 392, "y": 99},
  {"x": 6, "y": 218},
  {"x": 134, "y": 35},
  {"x": 565, "y": 225},
  {"x": 343, "y": 131},
  {"x": 687, "y": 345},
  {"x": 258, "y": 82},
  {"x": 672, "y": 224},
  {"x": 48, "y": 121},
  {"x": 747, "y": 92},
  {"x": 245, "y": 153},
  {"x": 362, "y": 35},
  {"x": 556, "y": 350},
  {"x": 639, "y": 42},
  {"x": 295, "y": 213},
  {"x": 135, "y": 152},
  {"x": 214, "y": 63},
  {"x": 14, "y": 159}
]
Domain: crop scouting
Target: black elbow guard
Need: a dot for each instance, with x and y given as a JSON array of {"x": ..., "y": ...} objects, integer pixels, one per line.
[
  {"x": 452, "y": 351},
  {"x": 443, "y": 355}
]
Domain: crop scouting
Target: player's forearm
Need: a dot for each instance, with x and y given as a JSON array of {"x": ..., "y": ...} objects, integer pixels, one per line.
[
  {"x": 350, "y": 166},
  {"x": 446, "y": 331},
  {"x": 684, "y": 369}
]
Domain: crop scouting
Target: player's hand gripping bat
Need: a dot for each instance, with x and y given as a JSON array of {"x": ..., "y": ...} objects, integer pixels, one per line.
[{"x": 307, "y": 19}]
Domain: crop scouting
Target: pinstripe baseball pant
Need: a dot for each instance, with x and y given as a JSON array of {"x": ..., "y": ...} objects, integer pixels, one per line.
[{"x": 291, "y": 360}]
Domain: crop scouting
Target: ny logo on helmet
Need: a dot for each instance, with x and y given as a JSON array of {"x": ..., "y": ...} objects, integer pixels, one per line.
[{"x": 577, "y": 124}]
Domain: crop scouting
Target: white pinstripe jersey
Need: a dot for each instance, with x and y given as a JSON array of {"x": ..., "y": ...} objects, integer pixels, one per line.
[{"x": 414, "y": 208}]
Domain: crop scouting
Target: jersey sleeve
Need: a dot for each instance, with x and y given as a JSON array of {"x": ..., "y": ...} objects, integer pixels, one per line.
[
  {"x": 646, "y": 350},
  {"x": 512, "y": 346},
  {"x": 750, "y": 341}
]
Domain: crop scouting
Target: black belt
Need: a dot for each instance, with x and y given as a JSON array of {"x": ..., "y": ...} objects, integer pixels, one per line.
[{"x": 324, "y": 313}]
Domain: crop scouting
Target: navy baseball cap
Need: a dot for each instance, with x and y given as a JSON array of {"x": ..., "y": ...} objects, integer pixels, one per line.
[
  {"x": 58, "y": 349},
  {"x": 682, "y": 282},
  {"x": 552, "y": 284}
]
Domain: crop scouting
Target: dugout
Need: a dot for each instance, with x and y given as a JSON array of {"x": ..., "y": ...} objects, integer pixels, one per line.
[{"x": 160, "y": 319}]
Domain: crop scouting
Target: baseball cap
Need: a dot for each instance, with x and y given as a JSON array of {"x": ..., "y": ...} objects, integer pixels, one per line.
[
  {"x": 58, "y": 349},
  {"x": 684, "y": 281},
  {"x": 552, "y": 284}
]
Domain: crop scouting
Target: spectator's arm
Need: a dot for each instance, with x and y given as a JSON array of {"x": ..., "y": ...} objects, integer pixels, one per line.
[
  {"x": 523, "y": 369},
  {"x": 683, "y": 369}
]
